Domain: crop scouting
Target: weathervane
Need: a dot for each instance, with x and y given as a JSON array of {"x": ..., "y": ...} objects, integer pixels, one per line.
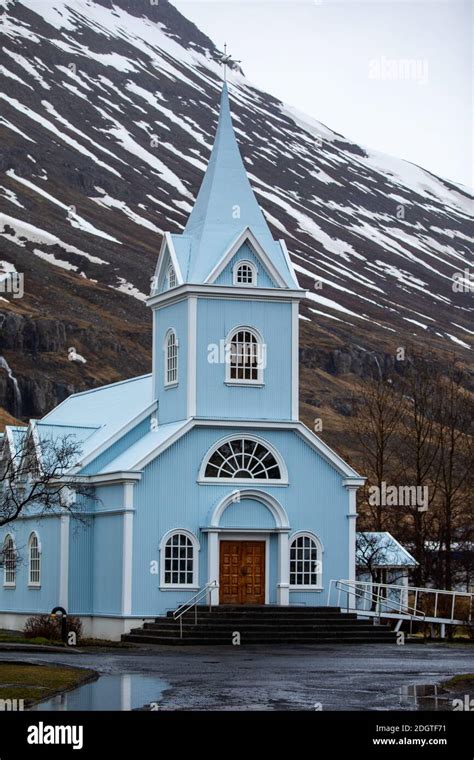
[{"x": 225, "y": 59}]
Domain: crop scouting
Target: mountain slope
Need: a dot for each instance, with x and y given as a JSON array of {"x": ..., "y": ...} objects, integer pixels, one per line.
[{"x": 108, "y": 112}]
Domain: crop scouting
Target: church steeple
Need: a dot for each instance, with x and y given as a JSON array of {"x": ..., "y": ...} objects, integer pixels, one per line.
[
  {"x": 226, "y": 203},
  {"x": 226, "y": 206}
]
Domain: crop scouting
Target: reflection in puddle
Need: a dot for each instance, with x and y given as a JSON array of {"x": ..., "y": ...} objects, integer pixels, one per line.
[
  {"x": 127, "y": 691},
  {"x": 425, "y": 697}
]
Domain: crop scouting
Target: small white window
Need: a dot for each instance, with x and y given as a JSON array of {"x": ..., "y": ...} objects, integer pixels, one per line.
[
  {"x": 305, "y": 561},
  {"x": 179, "y": 560},
  {"x": 171, "y": 276},
  {"x": 245, "y": 273},
  {"x": 34, "y": 561},
  {"x": 246, "y": 357},
  {"x": 171, "y": 358},
  {"x": 9, "y": 561}
]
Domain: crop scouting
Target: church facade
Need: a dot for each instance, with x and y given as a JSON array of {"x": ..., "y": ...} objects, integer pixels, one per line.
[{"x": 202, "y": 472}]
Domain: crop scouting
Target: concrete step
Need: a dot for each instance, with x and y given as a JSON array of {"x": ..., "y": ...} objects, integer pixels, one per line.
[{"x": 224, "y": 640}]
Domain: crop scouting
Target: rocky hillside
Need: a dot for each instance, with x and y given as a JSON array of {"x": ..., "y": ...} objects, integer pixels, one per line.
[{"x": 107, "y": 115}]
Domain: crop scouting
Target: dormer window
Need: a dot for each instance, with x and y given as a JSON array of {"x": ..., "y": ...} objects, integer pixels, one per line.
[
  {"x": 245, "y": 273},
  {"x": 171, "y": 276}
]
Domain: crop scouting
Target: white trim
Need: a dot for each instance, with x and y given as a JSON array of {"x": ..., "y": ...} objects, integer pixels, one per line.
[
  {"x": 256, "y": 535},
  {"x": 127, "y": 549},
  {"x": 274, "y": 506},
  {"x": 320, "y": 550},
  {"x": 109, "y": 478},
  {"x": 117, "y": 435},
  {"x": 235, "y": 271},
  {"x": 283, "y": 584},
  {"x": 192, "y": 357},
  {"x": 168, "y": 245},
  {"x": 262, "y": 349},
  {"x": 170, "y": 383},
  {"x": 197, "y": 548},
  {"x": 295, "y": 361},
  {"x": 187, "y": 425},
  {"x": 34, "y": 584},
  {"x": 289, "y": 262},
  {"x": 247, "y": 236},
  {"x": 283, "y": 480},
  {"x": 63, "y": 591},
  {"x": 232, "y": 292}
]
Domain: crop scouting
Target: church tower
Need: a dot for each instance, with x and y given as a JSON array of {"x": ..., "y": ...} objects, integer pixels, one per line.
[{"x": 225, "y": 304}]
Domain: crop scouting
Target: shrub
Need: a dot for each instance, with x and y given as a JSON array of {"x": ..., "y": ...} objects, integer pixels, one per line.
[{"x": 47, "y": 627}]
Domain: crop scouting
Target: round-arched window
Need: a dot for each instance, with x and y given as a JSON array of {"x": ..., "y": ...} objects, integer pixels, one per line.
[{"x": 243, "y": 459}]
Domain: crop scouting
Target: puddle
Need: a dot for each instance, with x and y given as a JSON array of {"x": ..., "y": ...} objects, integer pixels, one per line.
[
  {"x": 126, "y": 691},
  {"x": 425, "y": 697}
]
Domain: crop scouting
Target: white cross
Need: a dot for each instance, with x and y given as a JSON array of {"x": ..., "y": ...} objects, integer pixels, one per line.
[{"x": 224, "y": 61}]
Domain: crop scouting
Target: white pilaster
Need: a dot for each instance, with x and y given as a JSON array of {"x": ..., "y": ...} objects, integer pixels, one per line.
[
  {"x": 213, "y": 563},
  {"x": 63, "y": 595},
  {"x": 283, "y": 583},
  {"x": 295, "y": 369},
  {"x": 192, "y": 358},
  {"x": 127, "y": 549},
  {"x": 352, "y": 517}
]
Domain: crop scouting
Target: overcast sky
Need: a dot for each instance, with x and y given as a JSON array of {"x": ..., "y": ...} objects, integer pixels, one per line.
[{"x": 394, "y": 75}]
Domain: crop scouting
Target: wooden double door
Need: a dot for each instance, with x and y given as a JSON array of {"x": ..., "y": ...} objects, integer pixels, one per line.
[{"x": 242, "y": 572}]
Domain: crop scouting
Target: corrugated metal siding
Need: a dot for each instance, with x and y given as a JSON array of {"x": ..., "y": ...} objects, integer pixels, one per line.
[
  {"x": 117, "y": 448},
  {"x": 107, "y": 561},
  {"x": 247, "y": 513},
  {"x": 22, "y": 598},
  {"x": 172, "y": 401},
  {"x": 216, "y": 318},
  {"x": 168, "y": 497},
  {"x": 109, "y": 497},
  {"x": 245, "y": 253},
  {"x": 81, "y": 565}
]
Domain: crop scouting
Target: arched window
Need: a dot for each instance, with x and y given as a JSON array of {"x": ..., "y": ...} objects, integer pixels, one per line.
[
  {"x": 305, "y": 561},
  {"x": 245, "y": 273},
  {"x": 9, "y": 561},
  {"x": 34, "y": 561},
  {"x": 246, "y": 357},
  {"x": 171, "y": 276},
  {"x": 243, "y": 459},
  {"x": 171, "y": 358},
  {"x": 179, "y": 560}
]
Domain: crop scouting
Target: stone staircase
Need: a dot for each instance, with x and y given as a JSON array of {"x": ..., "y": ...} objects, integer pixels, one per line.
[{"x": 262, "y": 625}]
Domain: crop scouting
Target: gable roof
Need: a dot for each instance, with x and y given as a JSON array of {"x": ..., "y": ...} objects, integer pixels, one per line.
[
  {"x": 225, "y": 207},
  {"x": 385, "y": 549}
]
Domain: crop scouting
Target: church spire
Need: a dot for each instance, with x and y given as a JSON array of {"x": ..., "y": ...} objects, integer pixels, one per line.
[{"x": 226, "y": 203}]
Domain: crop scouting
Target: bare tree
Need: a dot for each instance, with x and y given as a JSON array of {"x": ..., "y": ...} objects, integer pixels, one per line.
[
  {"x": 36, "y": 476},
  {"x": 376, "y": 418}
]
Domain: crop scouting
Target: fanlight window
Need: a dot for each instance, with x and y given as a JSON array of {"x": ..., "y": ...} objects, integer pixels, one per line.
[
  {"x": 171, "y": 358},
  {"x": 243, "y": 458},
  {"x": 34, "y": 574},
  {"x": 179, "y": 561},
  {"x": 305, "y": 562},
  {"x": 247, "y": 357},
  {"x": 9, "y": 562},
  {"x": 245, "y": 274},
  {"x": 171, "y": 276}
]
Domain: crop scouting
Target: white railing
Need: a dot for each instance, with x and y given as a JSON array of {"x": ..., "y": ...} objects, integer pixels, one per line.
[
  {"x": 192, "y": 603},
  {"x": 392, "y": 600}
]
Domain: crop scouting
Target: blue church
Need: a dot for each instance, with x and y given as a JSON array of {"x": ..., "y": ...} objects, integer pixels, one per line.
[{"x": 202, "y": 472}]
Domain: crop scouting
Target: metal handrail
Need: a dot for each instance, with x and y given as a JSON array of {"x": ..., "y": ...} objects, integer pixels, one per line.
[
  {"x": 192, "y": 602},
  {"x": 376, "y": 597},
  {"x": 417, "y": 590}
]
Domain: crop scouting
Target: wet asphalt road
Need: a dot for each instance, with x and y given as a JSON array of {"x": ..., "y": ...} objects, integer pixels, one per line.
[{"x": 360, "y": 677}]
